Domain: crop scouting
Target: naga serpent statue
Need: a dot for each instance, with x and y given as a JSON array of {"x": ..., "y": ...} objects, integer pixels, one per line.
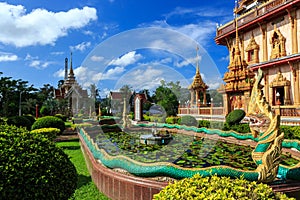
[{"x": 264, "y": 125}]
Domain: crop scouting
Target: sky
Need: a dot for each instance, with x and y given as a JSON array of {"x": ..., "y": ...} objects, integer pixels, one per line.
[{"x": 113, "y": 42}]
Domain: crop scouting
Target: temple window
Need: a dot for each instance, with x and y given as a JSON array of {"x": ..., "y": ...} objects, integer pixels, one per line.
[
  {"x": 250, "y": 56},
  {"x": 278, "y": 44},
  {"x": 252, "y": 51}
]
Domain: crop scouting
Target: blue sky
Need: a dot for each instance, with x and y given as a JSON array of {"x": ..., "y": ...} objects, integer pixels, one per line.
[{"x": 114, "y": 42}]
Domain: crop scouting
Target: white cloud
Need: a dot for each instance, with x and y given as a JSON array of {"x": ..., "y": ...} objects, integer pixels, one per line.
[
  {"x": 4, "y": 57},
  {"x": 35, "y": 62},
  {"x": 60, "y": 73},
  {"x": 57, "y": 53},
  {"x": 226, "y": 58},
  {"x": 81, "y": 47},
  {"x": 127, "y": 59},
  {"x": 40, "y": 26},
  {"x": 97, "y": 58}
]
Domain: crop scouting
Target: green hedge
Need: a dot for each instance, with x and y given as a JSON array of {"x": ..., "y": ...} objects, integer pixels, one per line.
[
  {"x": 216, "y": 188},
  {"x": 32, "y": 167},
  {"x": 172, "y": 120},
  {"x": 19, "y": 121},
  {"x": 204, "y": 123},
  {"x": 49, "y": 122},
  {"x": 50, "y": 133}
]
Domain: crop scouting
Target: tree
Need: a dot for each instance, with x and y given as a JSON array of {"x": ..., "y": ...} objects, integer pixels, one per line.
[{"x": 165, "y": 97}]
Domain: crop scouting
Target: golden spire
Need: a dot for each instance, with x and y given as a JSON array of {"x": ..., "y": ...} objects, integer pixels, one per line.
[
  {"x": 237, "y": 49},
  {"x": 197, "y": 61},
  {"x": 197, "y": 82}
]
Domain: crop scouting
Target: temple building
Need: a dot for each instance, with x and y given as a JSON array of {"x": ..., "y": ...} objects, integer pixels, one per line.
[
  {"x": 77, "y": 97},
  {"x": 264, "y": 34}
]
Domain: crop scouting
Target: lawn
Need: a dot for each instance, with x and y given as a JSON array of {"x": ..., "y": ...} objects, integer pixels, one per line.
[{"x": 86, "y": 189}]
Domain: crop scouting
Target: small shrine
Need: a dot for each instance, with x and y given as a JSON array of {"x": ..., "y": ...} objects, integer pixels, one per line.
[{"x": 198, "y": 88}]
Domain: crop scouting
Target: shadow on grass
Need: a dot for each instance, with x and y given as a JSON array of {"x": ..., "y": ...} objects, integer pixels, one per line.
[
  {"x": 70, "y": 147},
  {"x": 83, "y": 180}
]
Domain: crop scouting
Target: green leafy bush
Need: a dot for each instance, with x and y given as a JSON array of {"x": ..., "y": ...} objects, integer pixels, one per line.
[
  {"x": 291, "y": 132},
  {"x": 235, "y": 116},
  {"x": 215, "y": 187},
  {"x": 157, "y": 119},
  {"x": 146, "y": 117},
  {"x": 19, "y": 121},
  {"x": 44, "y": 110},
  {"x": 188, "y": 120},
  {"x": 62, "y": 117},
  {"x": 50, "y": 133},
  {"x": 49, "y": 122},
  {"x": 32, "y": 167},
  {"x": 204, "y": 123},
  {"x": 172, "y": 120},
  {"x": 30, "y": 118},
  {"x": 241, "y": 128}
]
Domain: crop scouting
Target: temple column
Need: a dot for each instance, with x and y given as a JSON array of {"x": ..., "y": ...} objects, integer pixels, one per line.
[
  {"x": 293, "y": 22},
  {"x": 204, "y": 97},
  {"x": 287, "y": 100},
  {"x": 197, "y": 97},
  {"x": 263, "y": 30},
  {"x": 296, "y": 84},
  {"x": 192, "y": 97},
  {"x": 226, "y": 104},
  {"x": 266, "y": 92}
]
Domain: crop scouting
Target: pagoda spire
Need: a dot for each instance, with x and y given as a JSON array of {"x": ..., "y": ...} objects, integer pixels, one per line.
[
  {"x": 237, "y": 53},
  {"x": 71, "y": 66},
  {"x": 197, "y": 61}
]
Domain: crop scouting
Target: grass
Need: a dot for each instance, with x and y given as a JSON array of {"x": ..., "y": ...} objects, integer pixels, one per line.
[{"x": 86, "y": 189}]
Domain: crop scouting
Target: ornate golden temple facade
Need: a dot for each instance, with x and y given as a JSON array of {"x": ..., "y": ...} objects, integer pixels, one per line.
[{"x": 265, "y": 34}]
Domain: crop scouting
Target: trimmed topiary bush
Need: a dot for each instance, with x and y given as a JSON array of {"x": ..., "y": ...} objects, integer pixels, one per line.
[
  {"x": 32, "y": 167},
  {"x": 19, "y": 121},
  {"x": 50, "y": 133},
  {"x": 235, "y": 117},
  {"x": 49, "y": 122},
  {"x": 216, "y": 187},
  {"x": 188, "y": 120}
]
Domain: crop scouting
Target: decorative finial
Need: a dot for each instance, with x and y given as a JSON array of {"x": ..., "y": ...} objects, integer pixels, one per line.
[{"x": 197, "y": 60}]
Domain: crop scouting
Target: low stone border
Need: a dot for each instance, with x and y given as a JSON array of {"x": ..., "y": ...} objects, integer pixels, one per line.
[{"x": 117, "y": 185}]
